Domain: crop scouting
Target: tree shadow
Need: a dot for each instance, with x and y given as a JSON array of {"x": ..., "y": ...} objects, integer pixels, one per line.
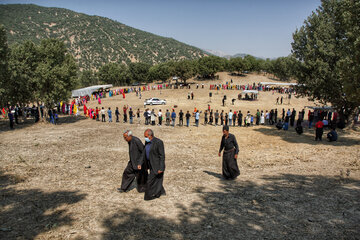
[
  {"x": 26, "y": 213},
  {"x": 308, "y": 137},
  {"x": 284, "y": 206},
  {"x": 5, "y": 124}
]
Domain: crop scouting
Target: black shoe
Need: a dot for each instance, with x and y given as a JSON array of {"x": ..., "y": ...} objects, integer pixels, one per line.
[{"x": 121, "y": 190}]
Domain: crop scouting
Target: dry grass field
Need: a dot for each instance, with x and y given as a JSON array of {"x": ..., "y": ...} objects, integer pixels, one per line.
[{"x": 60, "y": 182}]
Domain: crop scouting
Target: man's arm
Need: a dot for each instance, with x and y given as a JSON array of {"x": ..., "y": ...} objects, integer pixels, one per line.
[
  {"x": 140, "y": 147},
  {"x": 222, "y": 145},
  {"x": 236, "y": 147},
  {"x": 161, "y": 156}
]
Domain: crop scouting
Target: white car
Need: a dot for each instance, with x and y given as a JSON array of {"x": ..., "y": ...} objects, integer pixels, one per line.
[{"x": 155, "y": 101}]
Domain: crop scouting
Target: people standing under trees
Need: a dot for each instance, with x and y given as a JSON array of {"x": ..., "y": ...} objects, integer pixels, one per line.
[
  {"x": 310, "y": 118},
  {"x": 11, "y": 119},
  {"x": 332, "y": 136},
  {"x": 319, "y": 130}
]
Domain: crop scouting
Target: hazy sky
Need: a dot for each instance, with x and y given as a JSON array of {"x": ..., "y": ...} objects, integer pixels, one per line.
[{"x": 261, "y": 28}]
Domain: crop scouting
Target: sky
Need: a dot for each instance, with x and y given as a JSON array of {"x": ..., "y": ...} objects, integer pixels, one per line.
[{"x": 262, "y": 28}]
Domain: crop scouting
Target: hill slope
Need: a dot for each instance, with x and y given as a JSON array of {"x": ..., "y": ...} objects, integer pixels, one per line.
[{"x": 93, "y": 40}]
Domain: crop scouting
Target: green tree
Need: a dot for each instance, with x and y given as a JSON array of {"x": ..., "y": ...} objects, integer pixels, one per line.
[
  {"x": 252, "y": 64},
  {"x": 327, "y": 49},
  {"x": 56, "y": 73},
  {"x": 185, "y": 70},
  {"x": 209, "y": 66},
  {"x": 236, "y": 65},
  {"x": 114, "y": 73},
  {"x": 4, "y": 59},
  {"x": 23, "y": 86},
  {"x": 160, "y": 72},
  {"x": 139, "y": 71},
  {"x": 281, "y": 68},
  {"x": 87, "y": 78}
]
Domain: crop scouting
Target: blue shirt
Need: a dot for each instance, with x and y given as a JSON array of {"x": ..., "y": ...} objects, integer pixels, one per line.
[
  {"x": 147, "y": 150},
  {"x": 173, "y": 115}
]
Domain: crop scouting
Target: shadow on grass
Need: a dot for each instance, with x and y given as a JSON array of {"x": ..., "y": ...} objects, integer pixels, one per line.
[
  {"x": 24, "y": 214},
  {"x": 282, "y": 207},
  {"x": 308, "y": 136}
]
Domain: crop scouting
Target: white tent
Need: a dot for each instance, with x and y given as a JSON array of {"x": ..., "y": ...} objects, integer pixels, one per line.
[
  {"x": 89, "y": 90},
  {"x": 278, "y": 83},
  {"x": 250, "y": 91}
]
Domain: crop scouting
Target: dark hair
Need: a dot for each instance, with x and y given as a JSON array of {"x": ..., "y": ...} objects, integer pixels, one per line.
[{"x": 226, "y": 128}]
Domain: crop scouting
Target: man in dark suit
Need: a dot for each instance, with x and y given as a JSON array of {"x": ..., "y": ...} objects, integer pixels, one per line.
[
  {"x": 154, "y": 159},
  {"x": 134, "y": 169}
]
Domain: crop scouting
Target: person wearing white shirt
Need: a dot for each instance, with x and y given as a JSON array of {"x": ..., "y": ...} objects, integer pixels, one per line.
[
  {"x": 230, "y": 117},
  {"x": 160, "y": 117}
]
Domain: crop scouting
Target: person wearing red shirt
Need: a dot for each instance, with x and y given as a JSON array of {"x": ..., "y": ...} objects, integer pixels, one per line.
[{"x": 319, "y": 126}]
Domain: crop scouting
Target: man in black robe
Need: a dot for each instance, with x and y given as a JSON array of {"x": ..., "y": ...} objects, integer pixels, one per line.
[
  {"x": 230, "y": 169},
  {"x": 134, "y": 169},
  {"x": 154, "y": 159}
]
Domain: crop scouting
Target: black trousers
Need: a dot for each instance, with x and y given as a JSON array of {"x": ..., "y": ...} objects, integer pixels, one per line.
[
  {"x": 103, "y": 118},
  {"x": 319, "y": 133},
  {"x": 230, "y": 169},
  {"x": 130, "y": 174},
  {"x": 154, "y": 186}
]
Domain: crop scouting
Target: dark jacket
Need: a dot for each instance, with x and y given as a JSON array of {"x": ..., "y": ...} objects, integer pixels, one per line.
[
  {"x": 136, "y": 149},
  {"x": 229, "y": 144},
  {"x": 156, "y": 155}
]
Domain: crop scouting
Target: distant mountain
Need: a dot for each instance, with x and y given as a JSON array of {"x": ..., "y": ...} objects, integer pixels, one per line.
[
  {"x": 92, "y": 40},
  {"x": 216, "y": 53},
  {"x": 224, "y": 55}
]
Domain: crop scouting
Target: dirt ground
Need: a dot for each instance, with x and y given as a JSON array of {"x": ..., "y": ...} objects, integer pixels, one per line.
[{"x": 60, "y": 182}]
